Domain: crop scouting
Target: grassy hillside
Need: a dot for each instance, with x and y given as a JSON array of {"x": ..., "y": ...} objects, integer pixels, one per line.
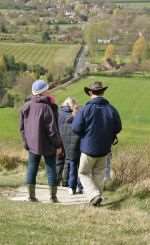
[
  {"x": 129, "y": 95},
  {"x": 45, "y": 55},
  {"x": 124, "y": 215}
]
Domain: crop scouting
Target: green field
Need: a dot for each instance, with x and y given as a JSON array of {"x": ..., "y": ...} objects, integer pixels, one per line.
[
  {"x": 45, "y": 55},
  {"x": 129, "y": 95},
  {"x": 133, "y": 3}
]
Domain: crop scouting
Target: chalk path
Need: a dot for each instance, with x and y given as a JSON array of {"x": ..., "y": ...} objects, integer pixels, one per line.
[{"x": 42, "y": 193}]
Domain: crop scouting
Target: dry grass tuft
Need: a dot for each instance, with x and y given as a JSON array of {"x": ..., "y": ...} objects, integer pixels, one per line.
[
  {"x": 9, "y": 162},
  {"x": 131, "y": 165},
  {"x": 141, "y": 188}
]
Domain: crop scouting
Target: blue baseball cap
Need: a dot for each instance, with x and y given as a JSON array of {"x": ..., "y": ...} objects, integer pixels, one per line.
[{"x": 39, "y": 86}]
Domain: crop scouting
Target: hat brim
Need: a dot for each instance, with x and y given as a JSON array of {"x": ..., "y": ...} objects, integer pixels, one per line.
[{"x": 87, "y": 90}]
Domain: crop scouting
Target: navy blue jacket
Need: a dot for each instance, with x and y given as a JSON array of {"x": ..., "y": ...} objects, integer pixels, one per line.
[
  {"x": 71, "y": 141},
  {"x": 97, "y": 124}
]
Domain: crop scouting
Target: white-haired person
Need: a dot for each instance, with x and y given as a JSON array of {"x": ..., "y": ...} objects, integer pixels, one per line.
[{"x": 71, "y": 143}]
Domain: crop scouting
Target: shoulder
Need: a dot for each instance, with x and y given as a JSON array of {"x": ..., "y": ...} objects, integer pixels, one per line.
[
  {"x": 26, "y": 106},
  {"x": 113, "y": 108}
]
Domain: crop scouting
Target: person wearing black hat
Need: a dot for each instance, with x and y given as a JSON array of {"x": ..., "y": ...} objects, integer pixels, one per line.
[{"x": 97, "y": 124}]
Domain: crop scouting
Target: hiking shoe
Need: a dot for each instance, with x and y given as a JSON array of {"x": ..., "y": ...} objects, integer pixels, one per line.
[
  {"x": 96, "y": 201},
  {"x": 54, "y": 200},
  {"x": 79, "y": 191},
  {"x": 33, "y": 199}
]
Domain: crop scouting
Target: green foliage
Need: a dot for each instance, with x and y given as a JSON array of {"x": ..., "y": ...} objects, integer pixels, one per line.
[
  {"x": 7, "y": 100},
  {"x": 94, "y": 31},
  {"x": 50, "y": 78},
  {"x": 38, "y": 70},
  {"x": 3, "y": 64},
  {"x": 45, "y": 37}
]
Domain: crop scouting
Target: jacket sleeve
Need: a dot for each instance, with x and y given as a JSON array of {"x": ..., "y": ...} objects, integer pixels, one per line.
[
  {"x": 117, "y": 122},
  {"x": 78, "y": 124},
  {"x": 51, "y": 127},
  {"x": 22, "y": 130}
]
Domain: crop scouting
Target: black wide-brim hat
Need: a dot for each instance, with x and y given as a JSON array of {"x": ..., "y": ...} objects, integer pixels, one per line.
[{"x": 95, "y": 87}]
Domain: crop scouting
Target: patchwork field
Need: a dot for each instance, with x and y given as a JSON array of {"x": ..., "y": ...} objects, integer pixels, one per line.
[{"x": 43, "y": 54}]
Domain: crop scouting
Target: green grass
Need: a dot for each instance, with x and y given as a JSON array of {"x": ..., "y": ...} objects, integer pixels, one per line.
[
  {"x": 42, "y": 54},
  {"x": 133, "y": 3},
  {"x": 9, "y": 127},
  {"x": 129, "y": 95}
]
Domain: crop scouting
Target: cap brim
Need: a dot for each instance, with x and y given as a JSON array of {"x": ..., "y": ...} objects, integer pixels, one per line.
[
  {"x": 87, "y": 90},
  {"x": 41, "y": 91}
]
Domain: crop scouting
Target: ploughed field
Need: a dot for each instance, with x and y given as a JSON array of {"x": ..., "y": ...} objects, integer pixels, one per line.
[{"x": 129, "y": 95}]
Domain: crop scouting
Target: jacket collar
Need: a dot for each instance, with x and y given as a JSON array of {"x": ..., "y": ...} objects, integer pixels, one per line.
[
  {"x": 98, "y": 100},
  {"x": 40, "y": 99}
]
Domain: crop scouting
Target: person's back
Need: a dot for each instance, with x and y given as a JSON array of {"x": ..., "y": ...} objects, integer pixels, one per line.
[
  {"x": 63, "y": 113},
  {"x": 38, "y": 116},
  {"x": 100, "y": 125},
  {"x": 97, "y": 123},
  {"x": 71, "y": 141},
  {"x": 41, "y": 137}
]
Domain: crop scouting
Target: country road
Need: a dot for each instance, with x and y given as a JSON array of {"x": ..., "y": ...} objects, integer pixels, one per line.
[{"x": 82, "y": 62}]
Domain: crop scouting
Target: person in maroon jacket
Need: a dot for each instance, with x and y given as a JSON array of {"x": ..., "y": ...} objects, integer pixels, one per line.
[{"x": 41, "y": 137}]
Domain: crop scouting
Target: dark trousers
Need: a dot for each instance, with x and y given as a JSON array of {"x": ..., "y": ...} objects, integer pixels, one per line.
[
  {"x": 62, "y": 171},
  {"x": 59, "y": 170},
  {"x": 73, "y": 180},
  {"x": 73, "y": 174},
  {"x": 33, "y": 166}
]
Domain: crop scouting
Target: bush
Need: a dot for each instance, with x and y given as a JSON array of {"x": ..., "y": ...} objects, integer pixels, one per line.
[{"x": 7, "y": 100}]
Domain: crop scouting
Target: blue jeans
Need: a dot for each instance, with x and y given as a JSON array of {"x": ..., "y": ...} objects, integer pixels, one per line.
[{"x": 33, "y": 166}]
